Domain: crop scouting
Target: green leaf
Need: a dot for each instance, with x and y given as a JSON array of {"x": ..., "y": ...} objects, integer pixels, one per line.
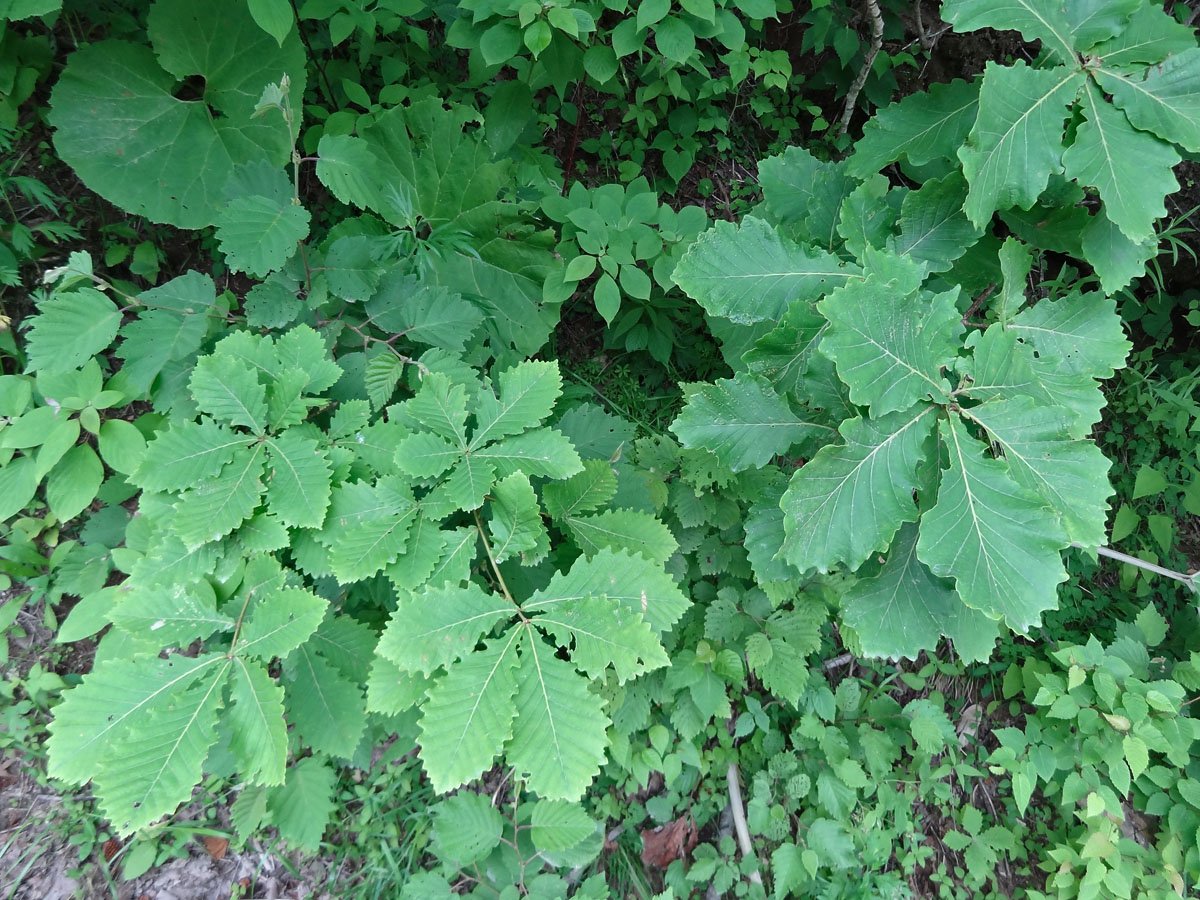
[
  {"x": 273, "y": 16},
  {"x": 465, "y": 488},
  {"x": 466, "y": 828},
  {"x": 390, "y": 690},
  {"x": 1116, "y": 259},
  {"x": 69, "y": 329},
  {"x": 1093, "y": 21},
  {"x": 382, "y": 374},
  {"x": 258, "y": 235},
  {"x": 217, "y": 505},
  {"x": 742, "y": 420},
  {"x": 516, "y": 523},
  {"x": 327, "y": 709},
  {"x": 156, "y": 765},
  {"x": 18, "y": 483},
  {"x": 1070, "y": 475},
  {"x": 257, "y": 728},
  {"x": 1081, "y": 334},
  {"x": 279, "y": 622},
  {"x": 589, "y": 490},
  {"x": 526, "y": 396},
  {"x": 425, "y": 455},
  {"x": 169, "y": 615},
  {"x": 1150, "y": 36},
  {"x": 1136, "y": 754},
  {"x": 635, "y": 582},
  {"x": 159, "y": 336},
  {"x": 351, "y": 267},
  {"x": 229, "y": 391},
  {"x": 119, "y": 125},
  {"x": 185, "y": 454},
  {"x": 73, "y": 483},
  {"x": 558, "y": 825},
  {"x": 301, "y": 808},
  {"x": 540, "y": 453},
  {"x": 933, "y": 227},
  {"x": 347, "y": 167},
  {"x": 995, "y": 538},
  {"x": 603, "y": 634},
  {"x": 114, "y": 700},
  {"x": 623, "y": 529},
  {"x": 427, "y": 314},
  {"x": 376, "y": 540},
  {"x": 751, "y": 272},
  {"x": 298, "y": 484},
  {"x": 559, "y": 740},
  {"x": 1016, "y": 142},
  {"x": 782, "y": 355},
  {"x": 607, "y": 297},
  {"x": 469, "y": 713},
  {"x": 905, "y": 609},
  {"x": 441, "y": 406},
  {"x": 674, "y": 39},
  {"x": 890, "y": 348},
  {"x": 1164, "y": 99},
  {"x": 800, "y": 189},
  {"x": 1037, "y": 20},
  {"x": 439, "y": 625},
  {"x": 921, "y": 127},
  {"x": 847, "y": 501},
  {"x": 1131, "y": 169}
]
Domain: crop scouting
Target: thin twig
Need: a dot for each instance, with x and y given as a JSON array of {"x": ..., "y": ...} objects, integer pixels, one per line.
[
  {"x": 1190, "y": 580},
  {"x": 739, "y": 820},
  {"x": 857, "y": 86}
]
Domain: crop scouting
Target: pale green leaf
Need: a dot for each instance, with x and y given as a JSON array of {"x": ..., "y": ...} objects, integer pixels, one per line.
[
  {"x": 558, "y": 825},
  {"x": 604, "y": 632},
  {"x": 258, "y": 733},
  {"x": 751, "y": 272},
  {"x": 441, "y": 406},
  {"x": 433, "y": 628},
  {"x": 464, "y": 488},
  {"x": 272, "y": 16},
  {"x": 1037, "y": 20},
  {"x": 782, "y": 355},
  {"x": 298, "y": 480},
  {"x": 1000, "y": 366},
  {"x": 169, "y": 615},
  {"x": 155, "y": 766},
  {"x": 69, "y": 329},
  {"x": 905, "y": 609},
  {"x": 848, "y": 501},
  {"x": 18, "y": 483},
  {"x": 352, "y": 268},
  {"x": 1016, "y": 143},
  {"x": 1163, "y": 99},
  {"x": 72, "y": 484},
  {"x": 1016, "y": 261},
  {"x": 327, "y": 710},
  {"x": 469, "y": 713},
  {"x": 1070, "y": 475},
  {"x": 286, "y": 403},
  {"x": 466, "y": 827},
  {"x": 558, "y": 740},
  {"x": 516, "y": 521},
  {"x": 217, "y": 505},
  {"x": 112, "y": 702},
  {"x": 1092, "y": 21},
  {"x": 229, "y": 391},
  {"x": 121, "y": 445},
  {"x": 631, "y": 580},
  {"x": 526, "y": 396},
  {"x": 303, "y": 348},
  {"x": 391, "y": 690},
  {"x": 921, "y": 127},
  {"x": 1149, "y": 37},
  {"x": 347, "y": 167},
  {"x": 374, "y": 542},
  {"x": 581, "y": 493},
  {"x": 995, "y": 538},
  {"x": 890, "y": 348},
  {"x": 280, "y": 621},
  {"x": 1116, "y": 259},
  {"x": 422, "y": 552},
  {"x": 1130, "y": 168},
  {"x": 454, "y": 566},
  {"x": 381, "y": 375},
  {"x": 742, "y": 420},
  {"x": 425, "y": 455},
  {"x": 1081, "y": 334},
  {"x": 426, "y": 314},
  {"x": 257, "y": 235},
  {"x": 301, "y": 808},
  {"x": 623, "y": 529},
  {"x": 158, "y": 336},
  {"x": 539, "y": 453}
]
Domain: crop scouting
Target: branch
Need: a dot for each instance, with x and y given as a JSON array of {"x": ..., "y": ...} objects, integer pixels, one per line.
[
  {"x": 739, "y": 820},
  {"x": 857, "y": 86},
  {"x": 1190, "y": 580}
]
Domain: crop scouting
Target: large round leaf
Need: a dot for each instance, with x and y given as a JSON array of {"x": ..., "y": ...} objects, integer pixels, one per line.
[{"x": 120, "y": 125}]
